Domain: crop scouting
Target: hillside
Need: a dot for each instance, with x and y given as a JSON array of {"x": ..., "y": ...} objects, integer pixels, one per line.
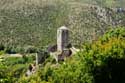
[
  {"x": 34, "y": 22},
  {"x": 99, "y": 62},
  {"x": 97, "y": 36}
]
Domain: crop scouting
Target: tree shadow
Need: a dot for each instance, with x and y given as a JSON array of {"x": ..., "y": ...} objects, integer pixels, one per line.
[{"x": 112, "y": 72}]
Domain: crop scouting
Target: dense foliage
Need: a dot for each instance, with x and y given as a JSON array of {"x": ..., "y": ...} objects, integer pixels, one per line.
[
  {"x": 12, "y": 68},
  {"x": 27, "y": 26},
  {"x": 101, "y": 61}
]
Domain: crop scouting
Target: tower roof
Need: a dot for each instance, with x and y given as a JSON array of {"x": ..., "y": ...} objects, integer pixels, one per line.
[{"x": 64, "y": 28}]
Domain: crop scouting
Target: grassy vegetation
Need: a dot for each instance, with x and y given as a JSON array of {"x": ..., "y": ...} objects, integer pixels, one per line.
[
  {"x": 12, "y": 68},
  {"x": 27, "y": 26},
  {"x": 34, "y": 23},
  {"x": 100, "y": 61}
]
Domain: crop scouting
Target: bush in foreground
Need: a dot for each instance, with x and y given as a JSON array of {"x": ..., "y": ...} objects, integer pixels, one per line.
[{"x": 101, "y": 61}]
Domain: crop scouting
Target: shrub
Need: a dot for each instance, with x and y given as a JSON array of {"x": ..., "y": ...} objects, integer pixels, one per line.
[
  {"x": 97, "y": 62},
  {"x": 30, "y": 49},
  {"x": 100, "y": 61}
]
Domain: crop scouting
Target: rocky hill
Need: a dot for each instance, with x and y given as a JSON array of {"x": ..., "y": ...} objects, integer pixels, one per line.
[{"x": 34, "y": 22}]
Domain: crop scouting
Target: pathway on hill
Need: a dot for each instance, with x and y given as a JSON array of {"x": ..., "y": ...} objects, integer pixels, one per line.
[{"x": 11, "y": 55}]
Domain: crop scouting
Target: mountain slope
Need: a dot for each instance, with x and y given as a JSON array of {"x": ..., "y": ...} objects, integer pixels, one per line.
[{"x": 34, "y": 22}]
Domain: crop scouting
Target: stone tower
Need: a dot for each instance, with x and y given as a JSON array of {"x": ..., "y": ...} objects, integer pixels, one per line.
[{"x": 62, "y": 38}]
